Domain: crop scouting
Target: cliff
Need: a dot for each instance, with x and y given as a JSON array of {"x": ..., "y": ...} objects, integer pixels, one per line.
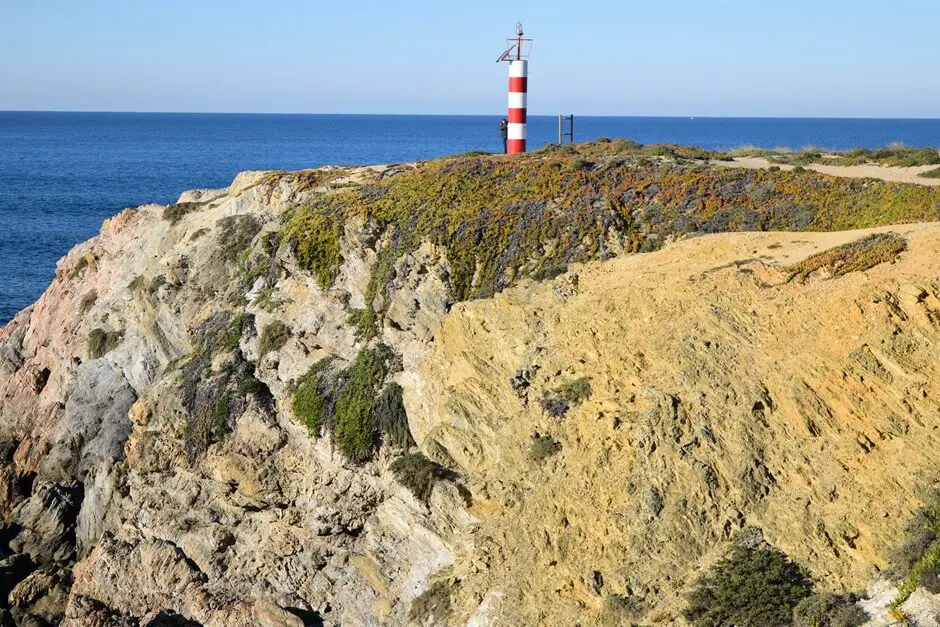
[{"x": 213, "y": 413}]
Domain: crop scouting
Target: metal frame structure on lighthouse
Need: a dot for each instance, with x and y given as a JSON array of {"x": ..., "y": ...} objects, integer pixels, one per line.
[{"x": 517, "y": 54}]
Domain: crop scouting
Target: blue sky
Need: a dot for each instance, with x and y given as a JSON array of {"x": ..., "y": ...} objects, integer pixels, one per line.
[{"x": 656, "y": 57}]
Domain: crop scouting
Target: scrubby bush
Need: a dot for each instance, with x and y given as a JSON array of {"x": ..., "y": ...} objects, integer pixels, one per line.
[
  {"x": 917, "y": 561},
  {"x": 355, "y": 404},
  {"x": 543, "y": 446},
  {"x": 753, "y": 585},
  {"x": 273, "y": 338},
  {"x": 569, "y": 394},
  {"x": 621, "y": 609},
  {"x": 389, "y": 411},
  {"x": 101, "y": 342},
  {"x": 363, "y": 322},
  {"x": 232, "y": 336},
  {"x": 931, "y": 174},
  {"x": 236, "y": 234},
  {"x": 310, "y": 398},
  {"x": 175, "y": 212},
  {"x": 355, "y": 429},
  {"x": 419, "y": 474},
  {"x": 829, "y": 610},
  {"x": 215, "y": 399}
]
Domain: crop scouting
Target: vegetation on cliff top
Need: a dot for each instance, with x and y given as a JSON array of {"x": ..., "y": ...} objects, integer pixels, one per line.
[
  {"x": 895, "y": 155},
  {"x": 500, "y": 219}
]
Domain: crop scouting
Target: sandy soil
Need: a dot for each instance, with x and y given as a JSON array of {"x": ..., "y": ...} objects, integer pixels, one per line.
[{"x": 884, "y": 173}]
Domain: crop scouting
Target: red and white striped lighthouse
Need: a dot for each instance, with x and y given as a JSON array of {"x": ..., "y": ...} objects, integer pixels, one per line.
[{"x": 518, "y": 57}]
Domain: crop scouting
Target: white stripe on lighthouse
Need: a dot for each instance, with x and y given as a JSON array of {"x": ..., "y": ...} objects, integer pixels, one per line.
[
  {"x": 517, "y": 131},
  {"x": 518, "y": 69},
  {"x": 517, "y": 100}
]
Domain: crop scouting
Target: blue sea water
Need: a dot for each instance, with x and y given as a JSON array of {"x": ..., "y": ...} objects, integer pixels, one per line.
[{"x": 61, "y": 174}]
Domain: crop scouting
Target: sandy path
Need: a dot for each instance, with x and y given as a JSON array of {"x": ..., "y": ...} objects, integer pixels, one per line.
[{"x": 884, "y": 173}]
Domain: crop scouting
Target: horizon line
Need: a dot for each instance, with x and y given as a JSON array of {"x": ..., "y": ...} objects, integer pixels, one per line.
[{"x": 446, "y": 115}]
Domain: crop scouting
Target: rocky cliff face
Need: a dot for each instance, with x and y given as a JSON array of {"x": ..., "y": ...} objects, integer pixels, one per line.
[{"x": 596, "y": 430}]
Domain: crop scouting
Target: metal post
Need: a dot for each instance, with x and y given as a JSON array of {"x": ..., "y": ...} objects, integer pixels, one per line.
[
  {"x": 559, "y": 130},
  {"x": 571, "y": 128}
]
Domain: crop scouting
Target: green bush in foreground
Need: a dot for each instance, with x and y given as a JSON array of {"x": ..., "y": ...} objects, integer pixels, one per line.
[
  {"x": 355, "y": 405},
  {"x": 829, "y": 610},
  {"x": 751, "y": 586},
  {"x": 355, "y": 429},
  {"x": 917, "y": 562},
  {"x": 309, "y": 399}
]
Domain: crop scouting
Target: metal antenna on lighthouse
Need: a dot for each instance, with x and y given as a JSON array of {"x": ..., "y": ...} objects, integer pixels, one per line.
[{"x": 517, "y": 54}]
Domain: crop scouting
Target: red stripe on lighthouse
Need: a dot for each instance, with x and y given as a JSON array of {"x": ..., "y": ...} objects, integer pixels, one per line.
[{"x": 518, "y": 85}]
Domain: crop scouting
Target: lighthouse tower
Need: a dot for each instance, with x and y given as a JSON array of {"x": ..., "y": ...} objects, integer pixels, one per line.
[{"x": 517, "y": 54}]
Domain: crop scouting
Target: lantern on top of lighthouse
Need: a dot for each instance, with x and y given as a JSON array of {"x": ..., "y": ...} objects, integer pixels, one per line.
[{"x": 517, "y": 54}]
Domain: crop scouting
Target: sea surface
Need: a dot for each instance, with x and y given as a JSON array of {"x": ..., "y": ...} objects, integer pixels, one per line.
[{"x": 61, "y": 174}]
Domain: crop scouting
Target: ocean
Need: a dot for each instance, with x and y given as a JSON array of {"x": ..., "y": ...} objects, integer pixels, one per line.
[{"x": 61, "y": 174}]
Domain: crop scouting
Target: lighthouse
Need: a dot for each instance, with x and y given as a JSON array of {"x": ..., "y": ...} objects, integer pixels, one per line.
[{"x": 517, "y": 54}]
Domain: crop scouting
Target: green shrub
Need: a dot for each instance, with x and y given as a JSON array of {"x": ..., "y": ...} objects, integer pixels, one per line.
[
  {"x": 799, "y": 169},
  {"x": 214, "y": 400},
  {"x": 232, "y": 336},
  {"x": 419, "y": 474},
  {"x": 434, "y": 605},
  {"x": 236, "y": 234},
  {"x": 389, "y": 411},
  {"x": 101, "y": 342},
  {"x": 931, "y": 174},
  {"x": 569, "y": 394},
  {"x": 175, "y": 212},
  {"x": 750, "y": 586},
  {"x": 543, "y": 446},
  {"x": 917, "y": 561},
  {"x": 829, "y": 610},
  {"x": 309, "y": 398},
  {"x": 363, "y": 322},
  {"x": 355, "y": 429},
  {"x": 353, "y": 404},
  {"x": 273, "y": 338}
]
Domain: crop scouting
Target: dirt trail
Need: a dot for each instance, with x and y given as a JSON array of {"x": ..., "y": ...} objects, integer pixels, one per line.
[{"x": 881, "y": 172}]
